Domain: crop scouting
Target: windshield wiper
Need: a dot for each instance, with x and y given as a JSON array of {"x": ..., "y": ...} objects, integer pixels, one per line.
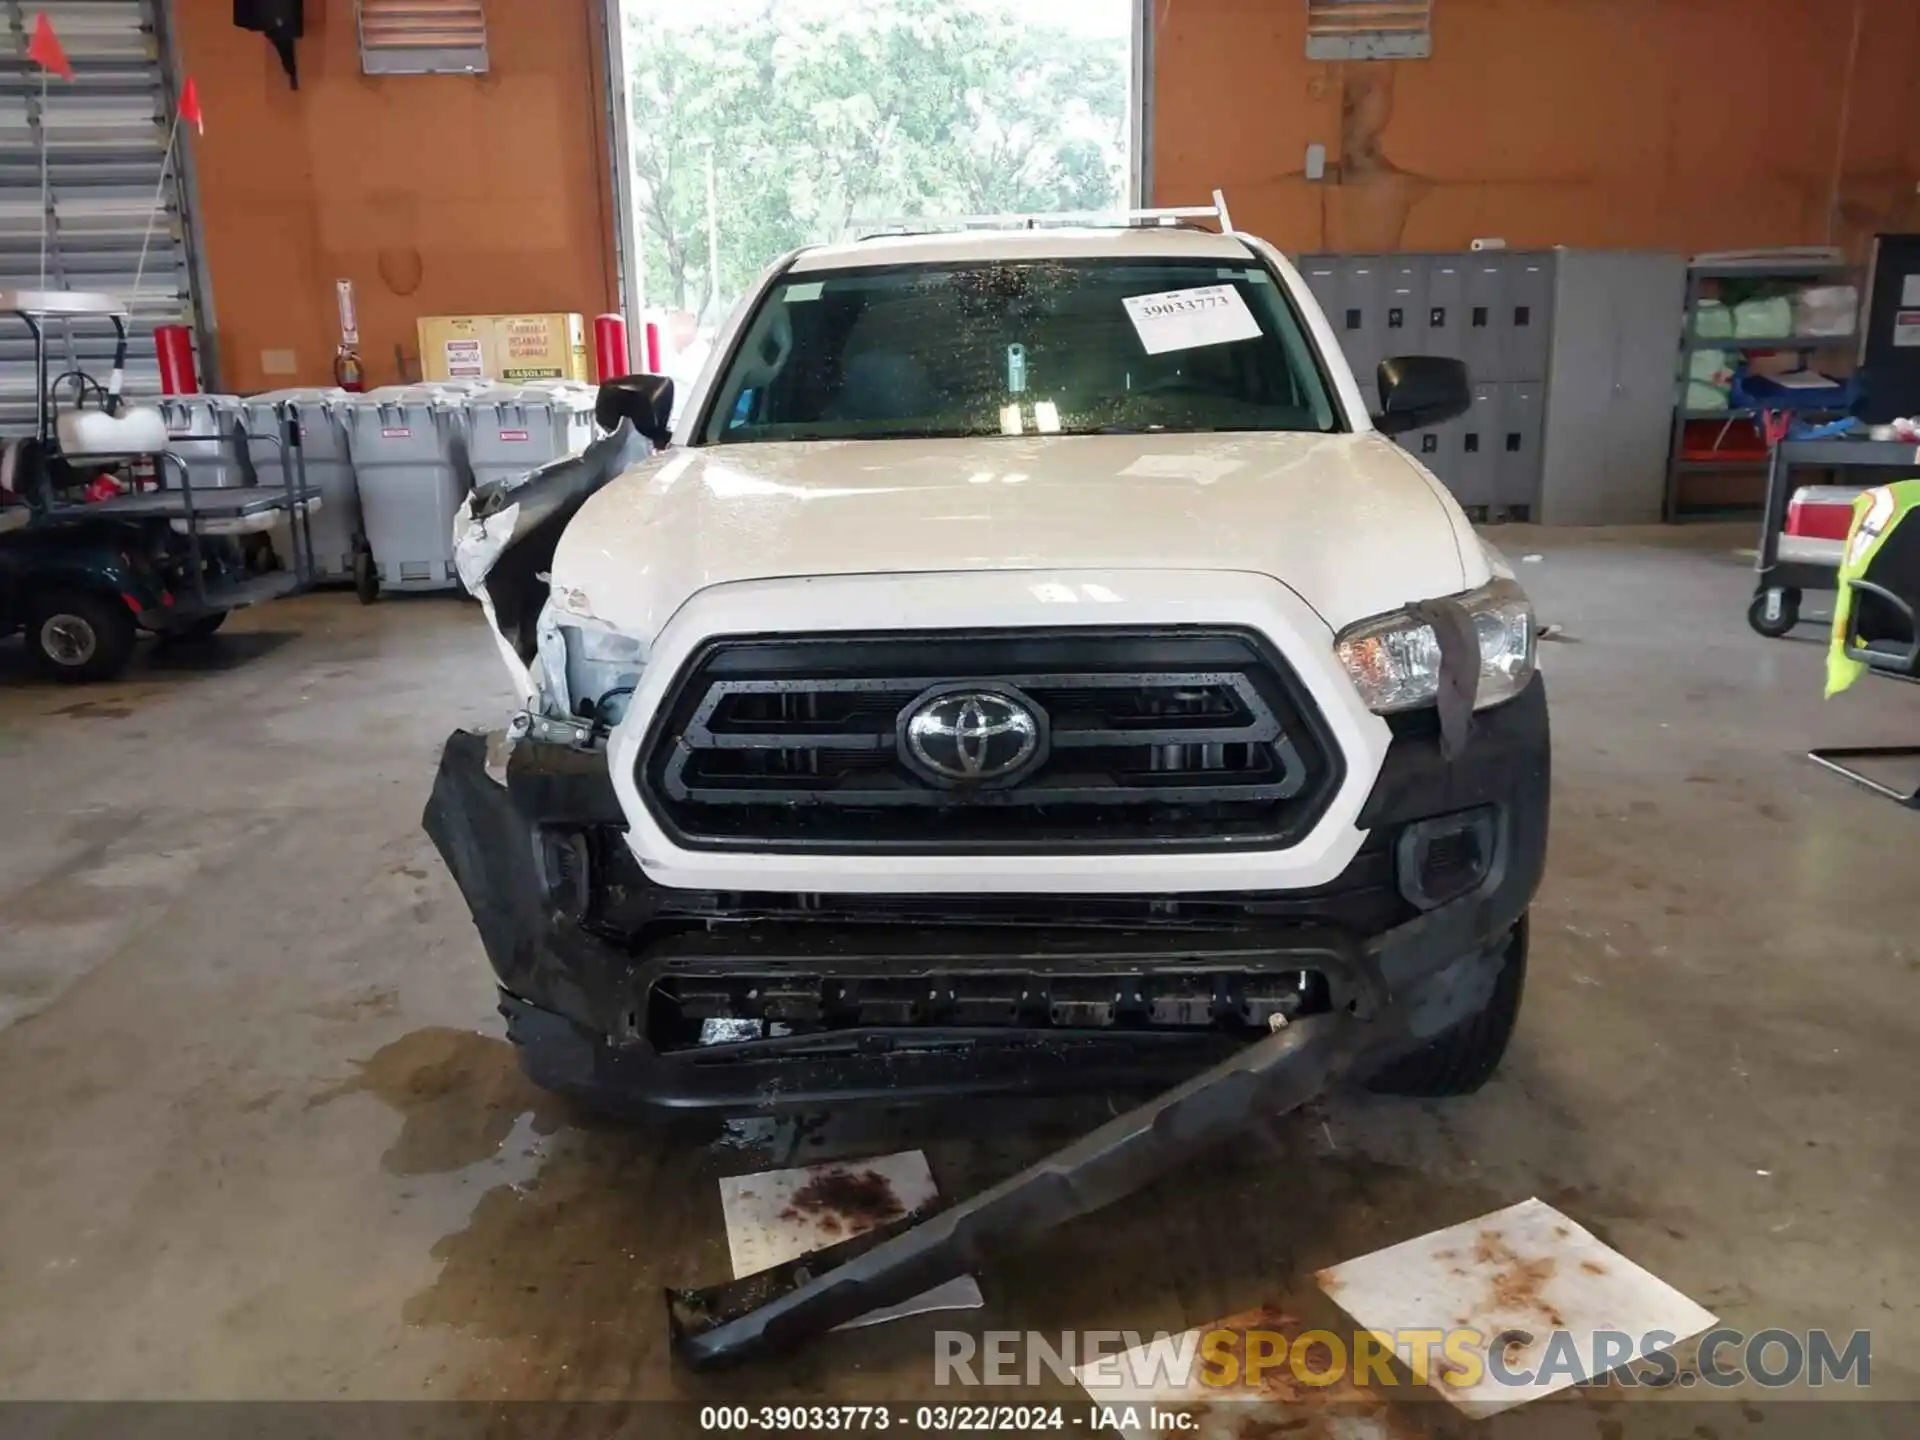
[
  {"x": 1150, "y": 430},
  {"x": 805, "y": 436}
]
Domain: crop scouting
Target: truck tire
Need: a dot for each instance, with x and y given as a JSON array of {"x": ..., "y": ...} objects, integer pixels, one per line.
[
  {"x": 76, "y": 637},
  {"x": 1460, "y": 1060}
]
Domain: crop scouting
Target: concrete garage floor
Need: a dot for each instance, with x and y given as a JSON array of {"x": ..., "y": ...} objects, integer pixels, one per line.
[{"x": 263, "y": 1139}]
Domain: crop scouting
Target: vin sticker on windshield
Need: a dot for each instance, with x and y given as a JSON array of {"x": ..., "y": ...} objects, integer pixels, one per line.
[{"x": 1189, "y": 319}]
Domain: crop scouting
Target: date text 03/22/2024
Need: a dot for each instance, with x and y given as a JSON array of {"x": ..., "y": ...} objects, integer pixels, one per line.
[{"x": 946, "y": 1419}]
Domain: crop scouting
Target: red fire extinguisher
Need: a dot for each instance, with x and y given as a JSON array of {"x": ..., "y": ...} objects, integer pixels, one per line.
[
  {"x": 174, "y": 346},
  {"x": 610, "y": 355}
]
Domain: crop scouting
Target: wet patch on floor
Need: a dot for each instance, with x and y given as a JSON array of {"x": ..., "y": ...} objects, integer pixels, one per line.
[
  {"x": 566, "y": 1272},
  {"x": 458, "y": 1094}
]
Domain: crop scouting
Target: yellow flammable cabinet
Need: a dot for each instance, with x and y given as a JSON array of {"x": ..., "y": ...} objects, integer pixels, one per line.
[{"x": 514, "y": 348}]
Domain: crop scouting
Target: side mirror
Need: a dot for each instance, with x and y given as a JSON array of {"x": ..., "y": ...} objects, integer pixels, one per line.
[
  {"x": 646, "y": 400},
  {"x": 1420, "y": 390}
]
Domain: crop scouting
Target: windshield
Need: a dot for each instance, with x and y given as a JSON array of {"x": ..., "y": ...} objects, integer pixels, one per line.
[{"x": 1067, "y": 347}]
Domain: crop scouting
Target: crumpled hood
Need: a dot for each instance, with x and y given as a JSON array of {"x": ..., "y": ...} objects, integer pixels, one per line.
[{"x": 1349, "y": 522}]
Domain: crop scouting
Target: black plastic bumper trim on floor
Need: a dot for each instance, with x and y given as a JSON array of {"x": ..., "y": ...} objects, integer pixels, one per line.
[{"x": 780, "y": 1307}]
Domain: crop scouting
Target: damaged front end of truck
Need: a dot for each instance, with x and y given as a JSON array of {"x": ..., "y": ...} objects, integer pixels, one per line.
[
  {"x": 597, "y": 967},
  {"x": 1233, "y": 1006}
]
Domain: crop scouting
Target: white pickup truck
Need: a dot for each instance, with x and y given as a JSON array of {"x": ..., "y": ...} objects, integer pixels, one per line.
[{"x": 1022, "y": 661}]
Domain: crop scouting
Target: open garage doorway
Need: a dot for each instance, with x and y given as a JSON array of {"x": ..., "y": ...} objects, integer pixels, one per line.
[{"x": 746, "y": 128}]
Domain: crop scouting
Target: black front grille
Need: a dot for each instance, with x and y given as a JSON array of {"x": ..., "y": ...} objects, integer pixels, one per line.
[{"x": 1164, "y": 739}]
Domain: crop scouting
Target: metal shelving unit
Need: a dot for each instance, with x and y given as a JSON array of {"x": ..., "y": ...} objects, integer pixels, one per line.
[
  {"x": 1781, "y": 342},
  {"x": 1787, "y": 265}
]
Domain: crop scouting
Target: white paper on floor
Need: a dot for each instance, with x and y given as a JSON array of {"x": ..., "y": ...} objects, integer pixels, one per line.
[
  {"x": 780, "y": 1215},
  {"x": 1526, "y": 1268}
]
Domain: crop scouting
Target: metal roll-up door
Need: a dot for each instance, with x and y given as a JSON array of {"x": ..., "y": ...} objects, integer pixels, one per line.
[{"x": 106, "y": 132}]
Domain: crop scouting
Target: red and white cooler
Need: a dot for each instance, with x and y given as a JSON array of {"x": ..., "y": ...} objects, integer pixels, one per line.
[{"x": 1818, "y": 518}]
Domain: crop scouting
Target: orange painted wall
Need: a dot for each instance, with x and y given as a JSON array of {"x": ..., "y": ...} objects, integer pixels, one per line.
[
  {"x": 435, "y": 195},
  {"x": 1687, "y": 124},
  {"x": 1678, "y": 124}
]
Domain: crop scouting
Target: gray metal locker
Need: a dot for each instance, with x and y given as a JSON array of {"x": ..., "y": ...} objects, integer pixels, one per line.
[
  {"x": 1452, "y": 448},
  {"x": 1486, "y": 294},
  {"x": 1525, "y": 317},
  {"x": 1444, "y": 325},
  {"x": 1570, "y": 354},
  {"x": 1472, "y": 481},
  {"x": 1517, "y": 459},
  {"x": 106, "y": 135},
  {"x": 1406, "y": 302},
  {"x": 1431, "y": 448},
  {"x": 1322, "y": 274},
  {"x": 1617, "y": 317},
  {"x": 1361, "y": 320}
]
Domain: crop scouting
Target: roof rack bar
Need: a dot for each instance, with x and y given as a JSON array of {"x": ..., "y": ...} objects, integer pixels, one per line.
[
  {"x": 928, "y": 225},
  {"x": 1220, "y": 209}
]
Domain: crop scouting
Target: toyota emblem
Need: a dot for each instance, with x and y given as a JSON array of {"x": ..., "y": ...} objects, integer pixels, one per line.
[{"x": 972, "y": 736}]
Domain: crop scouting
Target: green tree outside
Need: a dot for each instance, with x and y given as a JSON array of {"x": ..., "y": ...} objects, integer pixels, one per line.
[{"x": 816, "y": 116}]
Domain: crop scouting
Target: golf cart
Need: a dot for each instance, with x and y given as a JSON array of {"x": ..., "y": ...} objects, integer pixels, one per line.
[{"x": 102, "y": 531}]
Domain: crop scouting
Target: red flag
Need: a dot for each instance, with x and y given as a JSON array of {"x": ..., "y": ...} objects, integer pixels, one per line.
[
  {"x": 45, "y": 48},
  {"x": 190, "y": 107}
]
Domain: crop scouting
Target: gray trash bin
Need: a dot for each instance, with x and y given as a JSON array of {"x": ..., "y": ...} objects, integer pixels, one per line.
[
  {"x": 208, "y": 433},
  {"x": 323, "y": 441},
  {"x": 408, "y": 444},
  {"x": 511, "y": 429}
]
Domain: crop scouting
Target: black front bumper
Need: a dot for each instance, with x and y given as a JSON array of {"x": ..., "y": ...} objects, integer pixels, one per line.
[{"x": 590, "y": 954}]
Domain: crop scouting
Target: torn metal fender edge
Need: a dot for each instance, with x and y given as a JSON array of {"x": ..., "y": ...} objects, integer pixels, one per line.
[
  {"x": 778, "y": 1308},
  {"x": 507, "y": 530}
]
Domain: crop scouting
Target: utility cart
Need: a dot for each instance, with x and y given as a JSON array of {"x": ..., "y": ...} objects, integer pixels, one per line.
[
  {"x": 106, "y": 532},
  {"x": 1790, "y": 565}
]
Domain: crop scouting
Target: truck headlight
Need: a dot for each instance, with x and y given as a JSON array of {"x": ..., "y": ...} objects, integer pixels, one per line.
[
  {"x": 603, "y": 669},
  {"x": 587, "y": 669},
  {"x": 597, "y": 645},
  {"x": 1395, "y": 659}
]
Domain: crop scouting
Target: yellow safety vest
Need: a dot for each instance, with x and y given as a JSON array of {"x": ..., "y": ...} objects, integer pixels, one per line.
[{"x": 1875, "y": 514}]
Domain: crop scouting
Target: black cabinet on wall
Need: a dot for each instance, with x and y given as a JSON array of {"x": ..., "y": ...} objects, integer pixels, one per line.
[
  {"x": 1892, "y": 350},
  {"x": 1570, "y": 354}
]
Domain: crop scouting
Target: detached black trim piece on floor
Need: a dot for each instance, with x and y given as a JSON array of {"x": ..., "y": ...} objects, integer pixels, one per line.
[{"x": 810, "y": 1295}]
